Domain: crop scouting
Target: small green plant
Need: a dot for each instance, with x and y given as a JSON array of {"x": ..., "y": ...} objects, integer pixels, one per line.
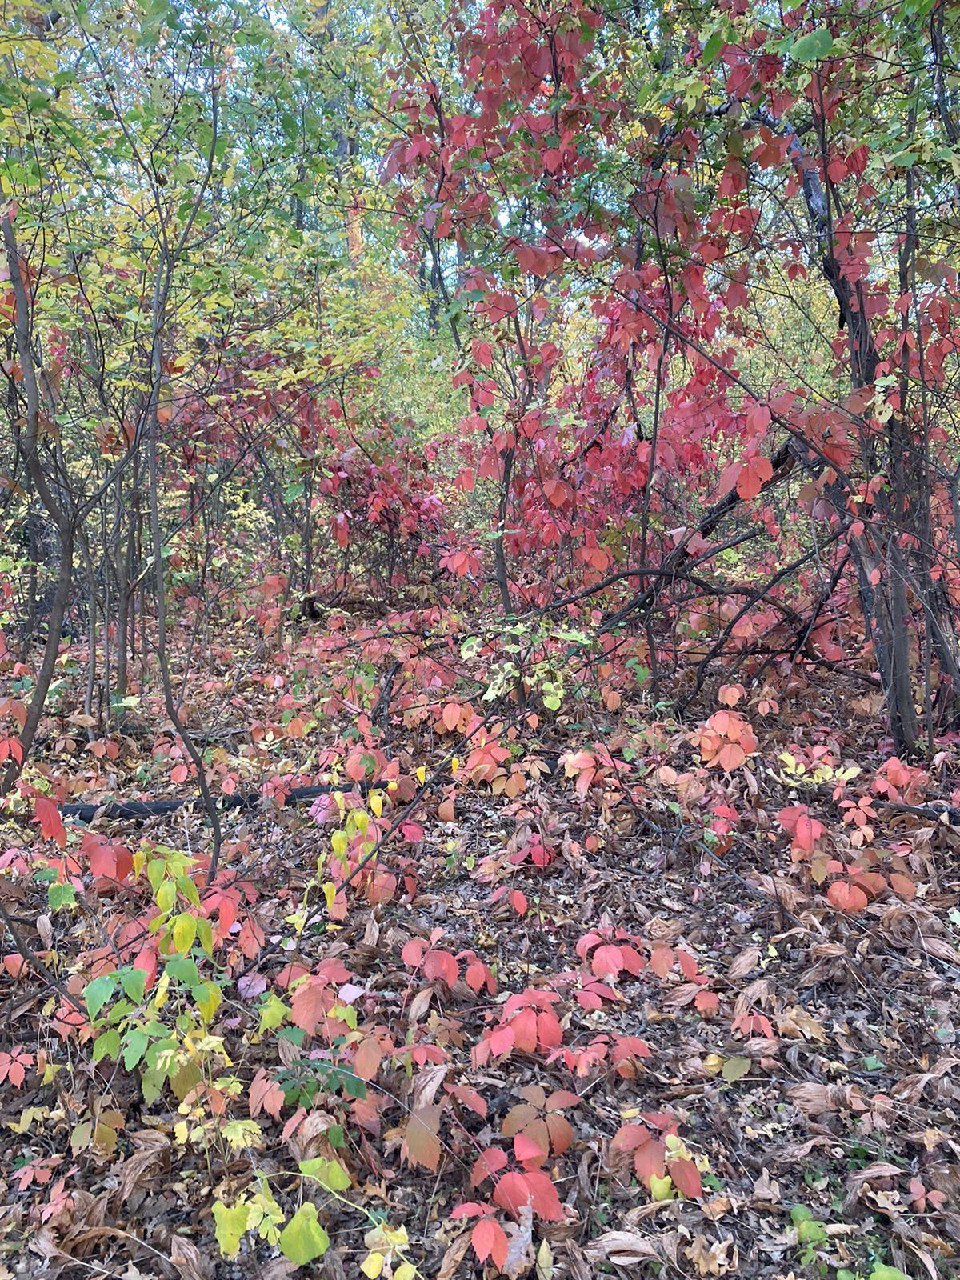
[{"x": 811, "y": 1233}]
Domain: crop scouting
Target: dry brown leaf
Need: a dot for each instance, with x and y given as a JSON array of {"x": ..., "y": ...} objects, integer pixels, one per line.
[
  {"x": 622, "y": 1248},
  {"x": 910, "y": 1088},
  {"x": 873, "y": 1172},
  {"x": 742, "y": 964},
  {"x": 450, "y": 1263},
  {"x": 189, "y": 1261},
  {"x": 796, "y": 1024},
  {"x": 940, "y": 949},
  {"x": 426, "y": 1084},
  {"x": 520, "y": 1253},
  {"x": 766, "y": 1189},
  {"x": 309, "y": 1139},
  {"x": 578, "y": 1265},
  {"x": 755, "y": 994},
  {"x": 282, "y": 1269},
  {"x": 716, "y": 1258},
  {"x": 817, "y": 1099}
]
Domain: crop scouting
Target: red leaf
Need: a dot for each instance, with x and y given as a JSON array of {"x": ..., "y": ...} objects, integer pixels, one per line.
[
  {"x": 512, "y": 1193},
  {"x": 607, "y": 962},
  {"x": 51, "y": 824},
  {"x": 367, "y": 1059},
  {"x": 649, "y": 1161},
  {"x": 489, "y": 1240},
  {"x": 524, "y": 1028},
  {"x": 686, "y": 1178},
  {"x": 902, "y": 885},
  {"x": 549, "y": 1031},
  {"x": 527, "y": 1151},
  {"x": 546, "y": 1202},
  {"x": 707, "y": 1003},
  {"x": 488, "y": 1163},
  {"x": 516, "y": 1190},
  {"x": 265, "y": 1095},
  {"x": 754, "y": 474},
  {"x": 440, "y": 964}
]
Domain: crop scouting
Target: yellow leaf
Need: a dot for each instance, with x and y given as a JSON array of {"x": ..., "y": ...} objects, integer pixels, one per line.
[
  {"x": 661, "y": 1188},
  {"x": 372, "y": 1265},
  {"x": 544, "y": 1261}
]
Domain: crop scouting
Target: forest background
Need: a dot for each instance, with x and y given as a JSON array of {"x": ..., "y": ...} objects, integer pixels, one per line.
[{"x": 480, "y": 493}]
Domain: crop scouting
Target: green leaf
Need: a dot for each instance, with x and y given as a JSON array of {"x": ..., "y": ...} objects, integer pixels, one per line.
[
  {"x": 166, "y": 895},
  {"x": 107, "y": 1045},
  {"x": 329, "y": 1173},
  {"x": 205, "y": 936},
  {"x": 811, "y": 1232},
  {"x": 156, "y": 868},
  {"x": 230, "y": 1225},
  {"x": 134, "y": 1047},
  {"x": 98, "y": 992},
  {"x": 735, "y": 1069},
  {"x": 303, "y": 1238},
  {"x": 61, "y": 895},
  {"x": 712, "y": 48},
  {"x": 184, "y": 932},
  {"x": 272, "y": 1012},
  {"x": 882, "y": 1272},
  {"x": 134, "y": 983},
  {"x": 812, "y": 47},
  {"x": 183, "y": 970}
]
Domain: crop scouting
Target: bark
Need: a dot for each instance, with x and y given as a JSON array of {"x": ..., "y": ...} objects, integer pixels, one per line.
[{"x": 59, "y": 514}]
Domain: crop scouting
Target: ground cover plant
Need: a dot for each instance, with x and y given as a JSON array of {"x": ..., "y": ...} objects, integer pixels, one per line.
[{"x": 479, "y": 660}]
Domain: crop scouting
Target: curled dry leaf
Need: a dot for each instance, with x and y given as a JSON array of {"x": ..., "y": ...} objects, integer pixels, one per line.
[
  {"x": 742, "y": 964},
  {"x": 874, "y": 1172},
  {"x": 623, "y": 1248},
  {"x": 189, "y": 1261},
  {"x": 817, "y": 1099}
]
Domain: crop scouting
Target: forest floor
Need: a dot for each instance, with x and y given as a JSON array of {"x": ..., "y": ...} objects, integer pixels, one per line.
[{"x": 801, "y": 1051}]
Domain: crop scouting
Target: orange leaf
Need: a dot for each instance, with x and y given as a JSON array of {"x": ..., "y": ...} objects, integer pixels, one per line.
[
  {"x": 451, "y": 716},
  {"x": 846, "y": 896},
  {"x": 903, "y": 886},
  {"x": 421, "y": 1143},
  {"x": 310, "y": 1005},
  {"x": 367, "y": 1059}
]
